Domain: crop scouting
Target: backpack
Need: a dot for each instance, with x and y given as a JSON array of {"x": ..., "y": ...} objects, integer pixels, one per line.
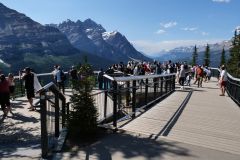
[{"x": 63, "y": 76}]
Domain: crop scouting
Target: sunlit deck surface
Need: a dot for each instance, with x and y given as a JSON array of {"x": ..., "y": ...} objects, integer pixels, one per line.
[{"x": 207, "y": 128}]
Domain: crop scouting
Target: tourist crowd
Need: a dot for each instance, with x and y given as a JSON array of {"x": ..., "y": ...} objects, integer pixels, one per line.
[{"x": 184, "y": 75}]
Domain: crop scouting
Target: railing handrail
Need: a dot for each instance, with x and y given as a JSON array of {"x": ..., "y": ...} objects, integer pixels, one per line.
[
  {"x": 229, "y": 75},
  {"x": 131, "y": 78}
]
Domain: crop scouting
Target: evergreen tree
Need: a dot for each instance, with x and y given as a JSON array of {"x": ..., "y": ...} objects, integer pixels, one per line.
[
  {"x": 83, "y": 117},
  {"x": 207, "y": 56},
  {"x": 223, "y": 57},
  {"x": 194, "y": 56},
  {"x": 233, "y": 65}
]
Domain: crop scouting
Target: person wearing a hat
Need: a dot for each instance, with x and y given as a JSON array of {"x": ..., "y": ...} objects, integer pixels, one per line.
[{"x": 29, "y": 86}]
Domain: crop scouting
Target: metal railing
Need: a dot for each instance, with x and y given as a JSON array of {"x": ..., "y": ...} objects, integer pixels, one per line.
[
  {"x": 233, "y": 85},
  {"x": 124, "y": 97},
  {"x": 53, "y": 116}
]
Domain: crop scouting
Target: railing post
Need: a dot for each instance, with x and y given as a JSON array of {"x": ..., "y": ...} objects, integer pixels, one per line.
[
  {"x": 115, "y": 104},
  {"x": 56, "y": 115},
  {"x": 44, "y": 135},
  {"x": 155, "y": 88},
  {"x": 105, "y": 97},
  {"x": 166, "y": 84},
  {"x": 161, "y": 86},
  {"x": 146, "y": 91},
  {"x": 134, "y": 98},
  {"x": 68, "y": 111},
  {"x": 173, "y": 82},
  {"x": 128, "y": 94},
  {"x": 63, "y": 112}
]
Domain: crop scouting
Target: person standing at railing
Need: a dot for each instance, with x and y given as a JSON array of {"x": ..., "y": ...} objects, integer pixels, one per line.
[
  {"x": 58, "y": 75},
  {"x": 100, "y": 79},
  {"x": 223, "y": 81},
  {"x": 11, "y": 82},
  {"x": 28, "y": 77},
  {"x": 74, "y": 77},
  {"x": 4, "y": 95}
]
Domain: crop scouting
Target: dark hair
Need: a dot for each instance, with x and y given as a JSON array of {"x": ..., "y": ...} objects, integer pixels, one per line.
[{"x": 2, "y": 77}]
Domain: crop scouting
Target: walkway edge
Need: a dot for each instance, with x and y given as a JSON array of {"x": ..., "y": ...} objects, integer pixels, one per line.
[{"x": 167, "y": 128}]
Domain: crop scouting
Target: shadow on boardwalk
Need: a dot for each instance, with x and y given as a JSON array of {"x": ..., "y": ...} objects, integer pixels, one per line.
[
  {"x": 20, "y": 134},
  {"x": 126, "y": 146}
]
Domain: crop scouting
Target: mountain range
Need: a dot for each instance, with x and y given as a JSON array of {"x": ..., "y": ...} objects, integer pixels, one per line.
[
  {"x": 24, "y": 42},
  {"x": 92, "y": 37},
  {"x": 184, "y": 53}
]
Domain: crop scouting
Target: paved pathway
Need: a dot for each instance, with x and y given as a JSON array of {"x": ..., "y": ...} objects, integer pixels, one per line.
[{"x": 20, "y": 133}]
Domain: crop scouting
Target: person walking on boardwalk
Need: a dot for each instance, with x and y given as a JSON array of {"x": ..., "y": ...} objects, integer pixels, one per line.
[
  {"x": 58, "y": 75},
  {"x": 182, "y": 74},
  {"x": 28, "y": 77},
  {"x": 4, "y": 95},
  {"x": 223, "y": 81}
]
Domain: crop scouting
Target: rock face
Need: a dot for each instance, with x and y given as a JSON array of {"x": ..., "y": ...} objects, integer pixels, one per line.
[
  {"x": 25, "y": 42},
  {"x": 92, "y": 37}
]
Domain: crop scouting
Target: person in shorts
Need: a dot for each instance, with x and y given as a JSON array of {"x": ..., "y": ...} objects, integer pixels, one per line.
[
  {"x": 223, "y": 81},
  {"x": 4, "y": 95},
  {"x": 29, "y": 86}
]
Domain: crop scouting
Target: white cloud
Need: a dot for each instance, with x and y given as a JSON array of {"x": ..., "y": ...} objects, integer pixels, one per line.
[
  {"x": 160, "y": 31},
  {"x": 168, "y": 25},
  {"x": 190, "y": 28},
  {"x": 205, "y": 33},
  {"x": 221, "y": 1},
  {"x": 153, "y": 47},
  {"x": 238, "y": 27}
]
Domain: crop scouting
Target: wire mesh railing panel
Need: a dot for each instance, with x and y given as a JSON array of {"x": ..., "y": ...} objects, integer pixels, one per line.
[{"x": 50, "y": 119}]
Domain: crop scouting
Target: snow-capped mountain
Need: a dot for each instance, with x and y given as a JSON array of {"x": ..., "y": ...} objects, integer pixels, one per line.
[{"x": 92, "y": 37}]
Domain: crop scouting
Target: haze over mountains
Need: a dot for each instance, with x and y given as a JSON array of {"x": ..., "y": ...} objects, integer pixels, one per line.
[
  {"x": 24, "y": 42},
  {"x": 185, "y": 53}
]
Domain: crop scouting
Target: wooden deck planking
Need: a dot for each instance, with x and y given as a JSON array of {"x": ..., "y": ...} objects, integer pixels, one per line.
[{"x": 154, "y": 120}]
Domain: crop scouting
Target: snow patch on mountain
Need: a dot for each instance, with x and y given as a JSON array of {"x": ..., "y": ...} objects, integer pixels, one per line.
[{"x": 107, "y": 35}]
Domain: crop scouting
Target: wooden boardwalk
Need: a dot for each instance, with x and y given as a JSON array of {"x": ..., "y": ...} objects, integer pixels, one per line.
[
  {"x": 208, "y": 128},
  {"x": 208, "y": 120}
]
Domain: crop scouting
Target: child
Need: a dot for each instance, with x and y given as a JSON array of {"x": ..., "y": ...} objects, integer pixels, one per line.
[{"x": 188, "y": 78}]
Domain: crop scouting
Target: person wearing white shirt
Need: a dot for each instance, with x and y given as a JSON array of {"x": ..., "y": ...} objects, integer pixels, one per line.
[{"x": 223, "y": 81}]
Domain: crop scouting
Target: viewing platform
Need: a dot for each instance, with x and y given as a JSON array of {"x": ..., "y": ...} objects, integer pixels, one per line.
[{"x": 189, "y": 124}]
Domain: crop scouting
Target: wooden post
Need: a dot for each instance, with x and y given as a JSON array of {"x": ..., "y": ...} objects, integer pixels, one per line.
[
  {"x": 56, "y": 115},
  {"x": 161, "y": 85},
  {"x": 105, "y": 102},
  {"x": 134, "y": 99},
  {"x": 63, "y": 112},
  {"x": 44, "y": 135},
  {"x": 128, "y": 94},
  {"x": 115, "y": 104},
  {"x": 146, "y": 91},
  {"x": 155, "y": 88}
]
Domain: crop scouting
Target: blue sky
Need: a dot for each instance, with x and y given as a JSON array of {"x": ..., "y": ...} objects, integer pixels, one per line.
[{"x": 150, "y": 25}]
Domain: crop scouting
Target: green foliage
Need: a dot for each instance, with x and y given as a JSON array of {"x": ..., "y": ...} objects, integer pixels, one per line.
[
  {"x": 223, "y": 57},
  {"x": 207, "y": 56},
  {"x": 194, "y": 56},
  {"x": 83, "y": 117},
  {"x": 233, "y": 64}
]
